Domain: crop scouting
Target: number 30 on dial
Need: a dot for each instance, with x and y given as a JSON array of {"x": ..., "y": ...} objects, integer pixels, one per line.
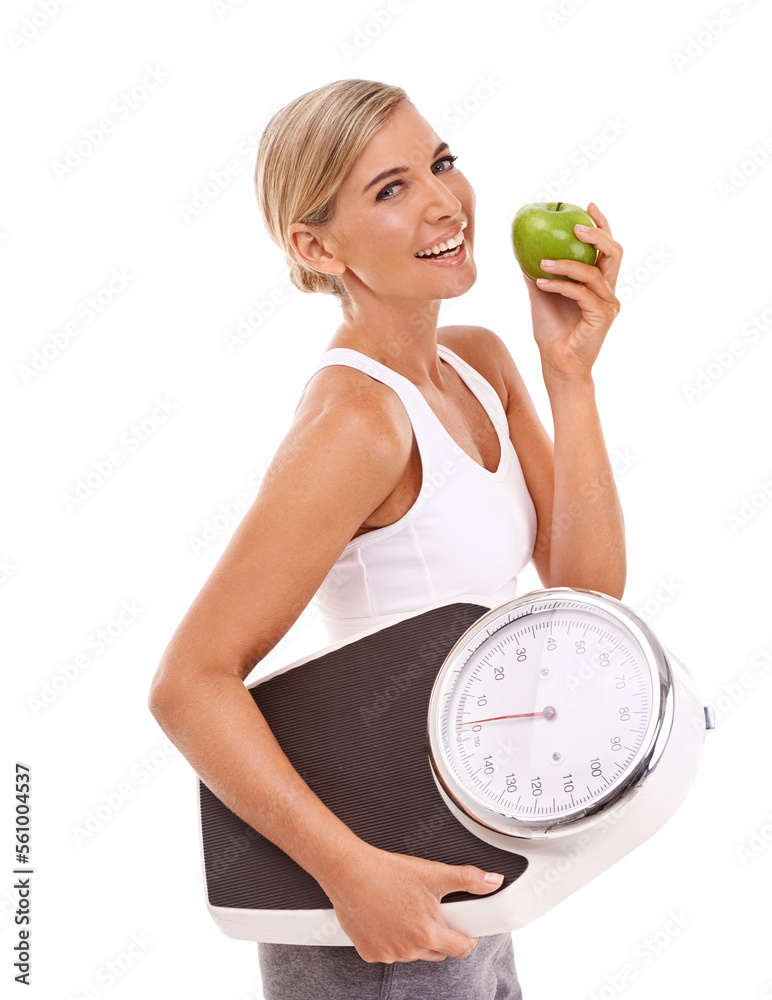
[{"x": 547, "y": 711}]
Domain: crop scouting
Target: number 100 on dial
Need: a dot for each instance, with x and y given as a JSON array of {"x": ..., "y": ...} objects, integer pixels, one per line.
[{"x": 544, "y": 713}]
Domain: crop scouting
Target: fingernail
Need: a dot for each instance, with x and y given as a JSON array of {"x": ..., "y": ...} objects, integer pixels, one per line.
[
  {"x": 542, "y": 281},
  {"x": 547, "y": 263},
  {"x": 582, "y": 229},
  {"x": 493, "y": 879}
]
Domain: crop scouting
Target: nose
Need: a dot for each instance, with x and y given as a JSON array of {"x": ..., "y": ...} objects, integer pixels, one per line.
[{"x": 440, "y": 201}]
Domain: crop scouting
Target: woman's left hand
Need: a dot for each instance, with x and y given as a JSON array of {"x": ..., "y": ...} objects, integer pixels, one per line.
[{"x": 570, "y": 320}]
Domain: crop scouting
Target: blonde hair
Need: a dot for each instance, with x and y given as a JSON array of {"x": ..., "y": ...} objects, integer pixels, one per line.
[{"x": 305, "y": 152}]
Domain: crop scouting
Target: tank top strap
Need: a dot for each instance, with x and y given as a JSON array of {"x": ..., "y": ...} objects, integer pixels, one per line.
[
  {"x": 433, "y": 442},
  {"x": 481, "y": 387}
]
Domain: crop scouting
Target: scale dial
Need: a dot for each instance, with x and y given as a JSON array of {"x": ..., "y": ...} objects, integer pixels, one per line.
[{"x": 547, "y": 712}]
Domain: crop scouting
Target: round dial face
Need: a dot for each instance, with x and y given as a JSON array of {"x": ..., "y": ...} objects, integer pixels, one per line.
[{"x": 545, "y": 709}]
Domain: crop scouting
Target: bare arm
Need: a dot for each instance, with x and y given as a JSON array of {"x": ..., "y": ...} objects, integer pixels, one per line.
[
  {"x": 580, "y": 538},
  {"x": 336, "y": 465},
  {"x": 330, "y": 471},
  {"x": 587, "y": 536}
]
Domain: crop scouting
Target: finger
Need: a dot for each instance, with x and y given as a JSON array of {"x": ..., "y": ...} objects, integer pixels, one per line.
[
  {"x": 428, "y": 956},
  {"x": 609, "y": 251},
  {"x": 609, "y": 258},
  {"x": 590, "y": 303},
  {"x": 450, "y": 943},
  {"x": 599, "y": 218},
  {"x": 588, "y": 274},
  {"x": 459, "y": 945},
  {"x": 465, "y": 878},
  {"x": 604, "y": 242}
]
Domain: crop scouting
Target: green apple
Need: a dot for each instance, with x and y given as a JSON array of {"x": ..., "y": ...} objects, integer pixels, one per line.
[{"x": 545, "y": 231}]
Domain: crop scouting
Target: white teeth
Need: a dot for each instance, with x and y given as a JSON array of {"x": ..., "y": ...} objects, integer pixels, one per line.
[
  {"x": 442, "y": 255},
  {"x": 439, "y": 248}
]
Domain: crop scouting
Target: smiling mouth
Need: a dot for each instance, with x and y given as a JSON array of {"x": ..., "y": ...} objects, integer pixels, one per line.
[{"x": 449, "y": 248}]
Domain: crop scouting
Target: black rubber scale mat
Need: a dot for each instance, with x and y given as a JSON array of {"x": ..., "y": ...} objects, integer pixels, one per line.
[{"x": 353, "y": 722}]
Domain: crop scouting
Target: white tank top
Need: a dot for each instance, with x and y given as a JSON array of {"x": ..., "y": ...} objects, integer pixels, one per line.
[{"x": 470, "y": 531}]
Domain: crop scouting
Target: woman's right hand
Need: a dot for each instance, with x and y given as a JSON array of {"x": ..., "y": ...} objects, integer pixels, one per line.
[{"x": 389, "y": 906}]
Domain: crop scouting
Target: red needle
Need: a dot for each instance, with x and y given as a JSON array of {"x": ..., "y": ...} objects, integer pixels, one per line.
[{"x": 548, "y": 713}]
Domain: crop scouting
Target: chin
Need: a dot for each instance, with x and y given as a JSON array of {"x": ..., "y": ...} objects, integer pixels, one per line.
[{"x": 456, "y": 284}]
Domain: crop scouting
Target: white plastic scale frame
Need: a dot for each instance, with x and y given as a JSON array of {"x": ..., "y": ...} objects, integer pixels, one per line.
[{"x": 563, "y": 853}]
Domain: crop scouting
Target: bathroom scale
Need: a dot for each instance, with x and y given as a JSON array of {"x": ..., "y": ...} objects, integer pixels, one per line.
[{"x": 543, "y": 739}]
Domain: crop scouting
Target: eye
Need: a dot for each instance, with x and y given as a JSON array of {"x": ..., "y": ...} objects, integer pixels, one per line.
[
  {"x": 448, "y": 162},
  {"x": 442, "y": 165},
  {"x": 384, "y": 193}
]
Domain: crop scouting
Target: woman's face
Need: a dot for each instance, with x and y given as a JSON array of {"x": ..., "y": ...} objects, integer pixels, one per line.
[{"x": 402, "y": 197}]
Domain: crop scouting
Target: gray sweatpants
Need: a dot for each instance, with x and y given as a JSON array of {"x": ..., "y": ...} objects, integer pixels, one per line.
[{"x": 316, "y": 972}]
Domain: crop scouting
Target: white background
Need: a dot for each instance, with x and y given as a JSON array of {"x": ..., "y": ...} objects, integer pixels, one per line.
[{"x": 655, "y": 112}]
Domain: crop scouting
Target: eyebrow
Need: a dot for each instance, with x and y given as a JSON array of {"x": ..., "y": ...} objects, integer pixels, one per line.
[{"x": 401, "y": 170}]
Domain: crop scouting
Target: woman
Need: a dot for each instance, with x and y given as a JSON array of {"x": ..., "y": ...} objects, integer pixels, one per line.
[{"x": 415, "y": 469}]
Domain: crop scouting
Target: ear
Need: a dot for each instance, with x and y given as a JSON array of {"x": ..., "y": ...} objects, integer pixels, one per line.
[{"x": 315, "y": 248}]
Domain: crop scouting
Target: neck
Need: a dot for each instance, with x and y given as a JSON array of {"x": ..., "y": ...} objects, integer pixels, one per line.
[{"x": 400, "y": 334}]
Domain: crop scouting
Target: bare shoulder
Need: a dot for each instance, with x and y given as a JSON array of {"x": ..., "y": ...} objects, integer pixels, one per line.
[
  {"x": 340, "y": 459},
  {"x": 354, "y": 397},
  {"x": 487, "y": 353}
]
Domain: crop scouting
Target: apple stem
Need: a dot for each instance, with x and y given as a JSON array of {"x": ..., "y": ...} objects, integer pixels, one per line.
[{"x": 557, "y": 207}]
